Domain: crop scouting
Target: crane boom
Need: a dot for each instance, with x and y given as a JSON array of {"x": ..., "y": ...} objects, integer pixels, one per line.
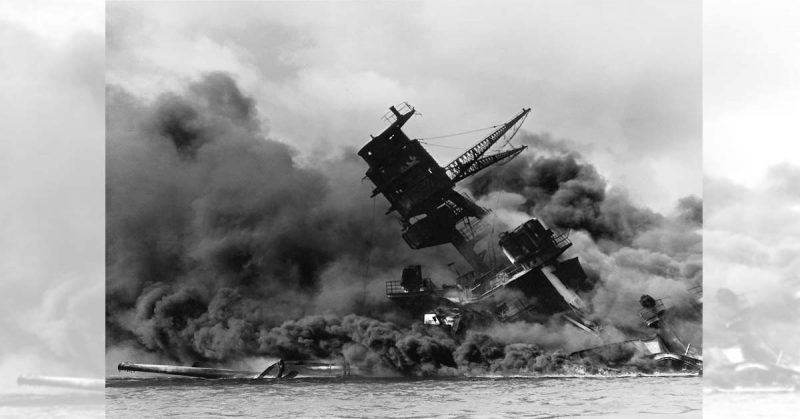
[
  {"x": 487, "y": 161},
  {"x": 458, "y": 168}
]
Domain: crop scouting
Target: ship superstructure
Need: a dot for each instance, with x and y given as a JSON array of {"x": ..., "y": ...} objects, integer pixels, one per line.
[{"x": 534, "y": 282}]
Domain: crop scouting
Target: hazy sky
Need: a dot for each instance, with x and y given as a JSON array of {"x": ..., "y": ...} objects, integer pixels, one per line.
[
  {"x": 751, "y": 153},
  {"x": 751, "y": 88},
  {"x": 620, "y": 79},
  {"x": 52, "y": 190}
]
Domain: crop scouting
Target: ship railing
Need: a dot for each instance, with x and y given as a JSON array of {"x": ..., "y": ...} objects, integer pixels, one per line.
[
  {"x": 394, "y": 288},
  {"x": 512, "y": 270},
  {"x": 561, "y": 240},
  {"x": 402, "y": 107},
  {"x": 497, "y": 278},
  {"x": 483, "y": 281},
  {"x": 470, "y": 229}
]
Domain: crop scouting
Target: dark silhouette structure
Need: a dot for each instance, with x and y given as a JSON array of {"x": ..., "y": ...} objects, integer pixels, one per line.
[{"x": 433, "y": 213}]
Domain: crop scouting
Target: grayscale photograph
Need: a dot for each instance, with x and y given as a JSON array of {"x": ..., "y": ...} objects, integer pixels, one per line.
[
  {"x": 52, "y": 184},
  {"x": 416, "y": 209},
  {"x": 399, "y": 209}
]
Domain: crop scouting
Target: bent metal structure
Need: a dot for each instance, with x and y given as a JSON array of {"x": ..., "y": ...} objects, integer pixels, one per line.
[
  {"x": 534, "y": 282},
  {"x": 666, "y": 348}
]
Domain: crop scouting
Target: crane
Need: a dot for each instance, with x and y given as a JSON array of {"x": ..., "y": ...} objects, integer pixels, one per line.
[{"x": 473, "y": 160}]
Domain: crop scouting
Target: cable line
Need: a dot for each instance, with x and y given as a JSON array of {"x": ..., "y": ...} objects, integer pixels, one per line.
[
  {"x": 459, "y": 133},
  {"x": 443, "y": 146}
]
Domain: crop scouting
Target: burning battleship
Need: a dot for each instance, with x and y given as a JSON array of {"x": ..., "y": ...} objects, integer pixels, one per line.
[
  {"x": 522, "y": 274},
  {"x": 535, "y": 282},
  {"x": 433, "y": 213}
]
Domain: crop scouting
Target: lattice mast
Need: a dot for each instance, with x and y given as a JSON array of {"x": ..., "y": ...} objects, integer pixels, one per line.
[
  {"x": 422, "y": 192},
  {"x": 472, "y": 162}
]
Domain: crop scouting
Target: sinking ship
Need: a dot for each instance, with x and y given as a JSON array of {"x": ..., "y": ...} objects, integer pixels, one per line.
[{"x": 534, "y": 281}]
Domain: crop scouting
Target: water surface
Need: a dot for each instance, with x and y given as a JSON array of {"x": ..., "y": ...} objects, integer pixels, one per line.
[{"x": 549, "y": 397}]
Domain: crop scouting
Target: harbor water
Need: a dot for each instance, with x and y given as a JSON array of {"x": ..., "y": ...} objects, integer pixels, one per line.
[{"x": 351, "y": 397}]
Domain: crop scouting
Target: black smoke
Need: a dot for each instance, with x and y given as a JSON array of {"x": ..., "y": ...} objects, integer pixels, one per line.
[
  {"x": 560, "y": 186},
  {"x": 215, "y": 234},
  {"x": 626, "y": 249},
  {"x": 221, "y": 246}
]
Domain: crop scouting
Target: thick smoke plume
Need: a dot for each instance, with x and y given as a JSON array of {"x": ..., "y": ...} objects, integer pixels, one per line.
[
  {"x": 220, "y": 246},
  {"x": 215, "y": 235},
  {"x": 559, "y": 186},
  {"x": 626, "y": 249}
]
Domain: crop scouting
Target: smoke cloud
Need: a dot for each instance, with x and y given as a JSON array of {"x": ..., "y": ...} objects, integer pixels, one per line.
[
  {"x": 626, "y": 249},
  {"x": 221, "y": 246},
  {"x": 214, "y": 231},
  {"x": 558, "y": 185}
]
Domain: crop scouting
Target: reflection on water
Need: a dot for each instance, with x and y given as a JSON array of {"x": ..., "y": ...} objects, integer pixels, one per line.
[{"x": 675, "y": 396}]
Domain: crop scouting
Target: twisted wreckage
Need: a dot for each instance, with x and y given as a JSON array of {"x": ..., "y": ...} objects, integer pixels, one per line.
[{"x": 535, "y": 281}]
